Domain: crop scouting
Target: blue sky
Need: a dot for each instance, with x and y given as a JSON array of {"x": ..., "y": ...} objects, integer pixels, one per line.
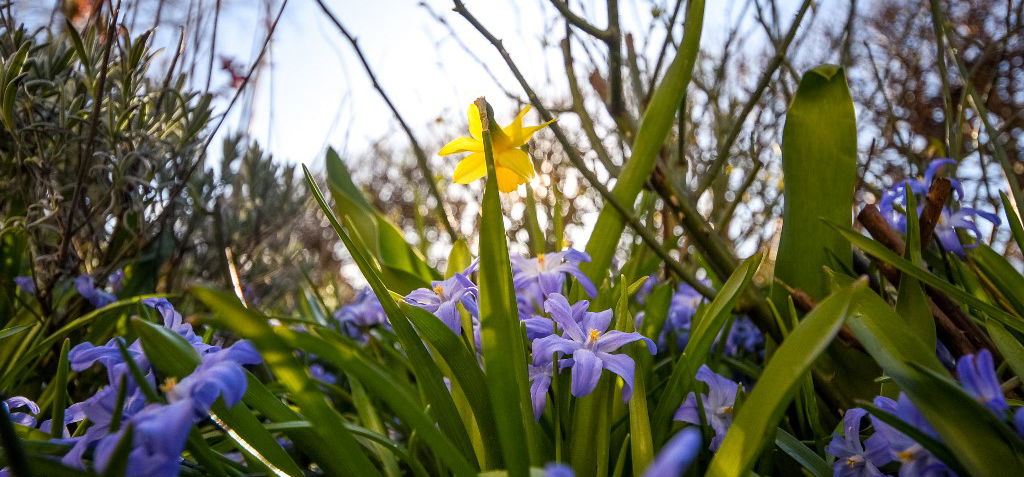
[{"x": 318, "y": 94}]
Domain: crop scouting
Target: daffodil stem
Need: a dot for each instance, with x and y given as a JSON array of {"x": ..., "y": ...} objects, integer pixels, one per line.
[{"x": 502, "y": 337}]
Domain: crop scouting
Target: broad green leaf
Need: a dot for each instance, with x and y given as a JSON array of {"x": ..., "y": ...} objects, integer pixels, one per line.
[
  {"x": 399, "y": 260},
  {"x": 705, "y": 329},
  {"x": 428, "y": 376},
  {"x": 654, "y": 127},
  {"x": 266, "y": 403},
  {"x": 502, "y": 337},
  {"x": 819, "y": 162},
  {"x": 756, "y": 420},
  {"x": 369, "y": 417},
  {"x": 346, "y": 457},
  {"x": 465, "y": 369},
  {"x": 962, "y": 423},
  {"x": 399, "y": 396},
  {"x": 459, "y": 258},
  {"x": 6, "y": 332},
  {"x": 911, "y": 302}
]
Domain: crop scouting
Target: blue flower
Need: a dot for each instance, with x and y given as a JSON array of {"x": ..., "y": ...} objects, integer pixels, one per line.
[
  {"x": 540, "y": 382},
  {"x": 558, "y": 469},
  {"x": 26, "y": 284},
  {"x": 443, "y": 298},
  {"x": 159, "y": 432},
  {"x": 744, "y": 336},
  {"x": 25, "y": 419},
  {"x": 548, "y": 271},
  {"x": 978, "y": 375},
  {"x": 965, "y": 218},
  {"x": 174, "y": 322},
  {"x": 718, "y": 404},
  {"x": 84, "y": 355},
  {"x": 539, "y": 326},
  {"x": 318, "y": 373},
  {"x": 945, "y": 230},
  {"x": 365, "y": 311},
  {"x": 591, "y": 347},
  {"x": 915, "y": 459},
  {"x": 681, "y": 310},
  {"x": 99, "y": 410},
  {"x": 97, "y": 297},
  {"x": 220, "y": 374},
  {"x": 677, "y": 455},
  {"x": 852, "y": 459}
]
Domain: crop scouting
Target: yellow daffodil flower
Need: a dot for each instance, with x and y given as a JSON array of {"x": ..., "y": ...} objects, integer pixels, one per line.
[{"x": 512, "y": 164}]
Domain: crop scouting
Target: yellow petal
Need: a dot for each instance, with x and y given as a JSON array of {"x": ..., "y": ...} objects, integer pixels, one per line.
[
  {"x": 517, "y": 161},
  {"x": 461, "y": 144},
  {"x": 526, "y": 133},
  {"x": 475, "y": 129},
  {"x": 508, "y": 180},
  {"x": 514, "y": 130},
  {"x": 470, "y": 169}
]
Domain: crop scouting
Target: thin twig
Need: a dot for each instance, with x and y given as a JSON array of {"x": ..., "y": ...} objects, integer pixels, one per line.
[
  {"x": 578, "y": 21},
  {"x": 773, "y": 66},
  {"x": 938, "y": 193},
  {"x": 421, "y": 157}
]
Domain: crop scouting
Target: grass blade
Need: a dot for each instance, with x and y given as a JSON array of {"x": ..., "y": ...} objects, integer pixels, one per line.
[
  {"x": 763, "y": 408},
  {"x": 428, "y": 376},
  {"x": 346, "y": 456},
  {"x": 704, "y": 331},
  {"x": 654, "y": 128}
]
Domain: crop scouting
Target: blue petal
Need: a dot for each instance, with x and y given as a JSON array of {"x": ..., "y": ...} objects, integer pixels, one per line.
[
  {"x": 545, "y": 348},
  {"x": 677, "y": 455},
  {"x": 623, "y": 366},
  {"x": 586, "y": 372}
]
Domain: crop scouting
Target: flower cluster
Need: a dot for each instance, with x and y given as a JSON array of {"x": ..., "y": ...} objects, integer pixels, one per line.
[
  {"x": 159, "y": 429},
  {"x": 743, "y": 336},
  {"x": 888, "y": 445},
  {"x": 964, "y": 218}
]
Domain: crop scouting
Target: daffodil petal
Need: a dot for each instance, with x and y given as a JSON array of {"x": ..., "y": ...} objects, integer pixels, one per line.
[
  {"x": 508, "y": 180},
  {"x": 517, "y": 161},
  {"x": 526, "y": 133},
  {"x": 470, "y": 169},
  {"x": 475, "y": 127},
  {"x": 514, "y": 130},
  {"x": 461, "y": 144}
]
